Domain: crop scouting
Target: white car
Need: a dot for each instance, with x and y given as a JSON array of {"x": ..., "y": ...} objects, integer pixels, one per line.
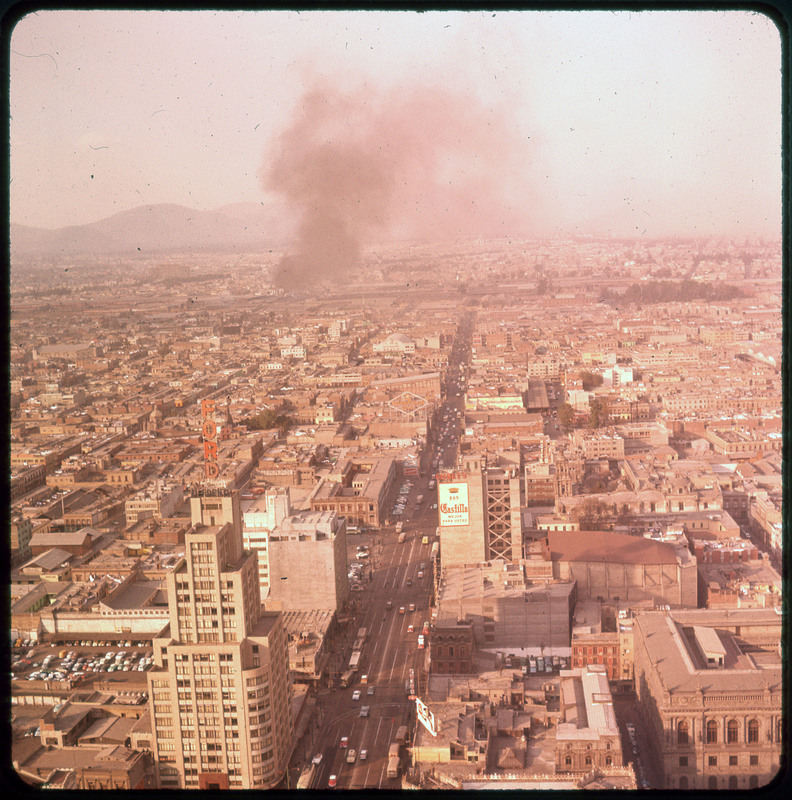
[
  {"x": 317, "y": 759},
  {"x": 363, "y": 755},
  {"x": 356, "y": 694}
]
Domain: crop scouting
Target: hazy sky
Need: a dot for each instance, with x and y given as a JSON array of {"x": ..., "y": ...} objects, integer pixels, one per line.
[{"x": 628, "y": 123}]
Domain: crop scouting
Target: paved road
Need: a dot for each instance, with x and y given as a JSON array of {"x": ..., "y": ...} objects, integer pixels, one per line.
[
  {"x": 389, "y": 653},
  {"x": 391, "y": 649}
]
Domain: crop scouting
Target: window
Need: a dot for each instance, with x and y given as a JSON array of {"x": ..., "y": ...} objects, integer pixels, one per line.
[
  {"x": 568, "y": 760},
  {"x": 683, "y": 732},
  {"x": 713, "y": 761},
  {"x": 683, "y": 761},
  {"x": 753, "y": 731},
  {"x": 683, "y": 782},
  {"x": 732, "y": 761},
  {"x": 712, "y": 732},
  {"x": 754, "y": 761},
  {"x": 588, "y": 761},
  {"x": 732, "y": 728}
]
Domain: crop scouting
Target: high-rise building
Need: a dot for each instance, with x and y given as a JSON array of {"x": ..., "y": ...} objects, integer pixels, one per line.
[
  {"x": 302, "y": 555},
  {"x": 259, "y": 519},
  {"x": 220, "y": 690},
  {"x": 479, "y": 513}
]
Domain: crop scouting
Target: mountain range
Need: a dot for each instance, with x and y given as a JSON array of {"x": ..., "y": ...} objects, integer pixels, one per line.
[{"x": 160, "y": 228}]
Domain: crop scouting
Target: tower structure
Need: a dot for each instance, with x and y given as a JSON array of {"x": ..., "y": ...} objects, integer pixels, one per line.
[
  {"x": 220, "y": 690},
  {"x": 479, "y": 513}
]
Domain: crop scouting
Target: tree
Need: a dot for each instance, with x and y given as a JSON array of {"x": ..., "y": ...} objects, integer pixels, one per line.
[
  {"x": 593, "y": 515},
  {"x": 566, "y": 415},
  {"x": 599, "y": 414},
  {"x": 591, "y": 380}
]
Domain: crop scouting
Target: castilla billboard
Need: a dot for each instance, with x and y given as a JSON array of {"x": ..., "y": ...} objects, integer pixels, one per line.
[{"x": 452, "y": 503}]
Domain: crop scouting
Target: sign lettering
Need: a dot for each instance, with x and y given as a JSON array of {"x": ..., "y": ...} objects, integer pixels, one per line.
[{"x": 452, "y": 503}]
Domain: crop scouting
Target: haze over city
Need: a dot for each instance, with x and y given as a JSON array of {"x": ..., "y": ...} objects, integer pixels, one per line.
[
  {"x": 497, "y": 123},
  {"x": 395, "y": 401}
]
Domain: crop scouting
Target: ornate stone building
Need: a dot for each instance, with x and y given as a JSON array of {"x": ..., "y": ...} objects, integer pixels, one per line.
[{"x": 709, "y": 685}]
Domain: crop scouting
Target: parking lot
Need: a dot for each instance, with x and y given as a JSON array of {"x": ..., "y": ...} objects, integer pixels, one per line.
[{"x": 75, "y": 662}]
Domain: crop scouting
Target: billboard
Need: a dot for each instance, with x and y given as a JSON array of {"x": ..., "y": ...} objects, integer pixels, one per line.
[
  {"x": 452, "y": 503},
  {"x": 425, "y": 717}
]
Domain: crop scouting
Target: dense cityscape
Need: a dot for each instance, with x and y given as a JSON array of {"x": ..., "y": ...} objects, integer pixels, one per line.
[{"x": 475, "y": 514}]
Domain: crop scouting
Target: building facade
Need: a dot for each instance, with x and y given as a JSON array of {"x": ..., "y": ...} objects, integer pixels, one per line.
[
  {"x": 490, "y": 524},
  {"x": 709, "y": 686},
  {"x": 220, "y": 690}
]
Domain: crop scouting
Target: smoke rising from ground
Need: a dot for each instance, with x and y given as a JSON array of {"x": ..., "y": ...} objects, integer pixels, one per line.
[{"x": 358, "y": 166}]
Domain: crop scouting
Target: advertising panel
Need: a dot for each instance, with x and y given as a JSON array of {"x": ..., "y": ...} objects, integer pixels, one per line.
[
  {"x": 452, "y": 503},
  {"x": 425, "y": 717}
]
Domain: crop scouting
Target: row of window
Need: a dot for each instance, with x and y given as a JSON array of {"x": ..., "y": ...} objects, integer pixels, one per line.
[
  {"x": 712, "y": 761},
  {"x": 588, "y": 760},
  {"x": 712, "y": 732}
]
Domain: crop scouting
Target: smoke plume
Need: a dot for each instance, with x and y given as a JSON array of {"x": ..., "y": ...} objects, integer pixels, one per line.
[{"x": 413, "y": 163}]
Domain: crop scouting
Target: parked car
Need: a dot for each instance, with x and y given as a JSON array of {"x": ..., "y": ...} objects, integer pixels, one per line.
[
  {"x": 344, "y": 741},
  {"x": 364, "y": 711},
  {"x": 356, "y": 694},
  {"x": 363, "y": 755}
]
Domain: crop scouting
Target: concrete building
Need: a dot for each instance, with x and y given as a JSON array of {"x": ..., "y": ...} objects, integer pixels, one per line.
[
  {"x": 220, "y": 690},
  {"x": 709, "y": 685},
  {"x": 302, "y": 556},
  {"x": 620, "y": 567},
  {"x": 480, "y": 517},
  {"x": 587, "y": 735},
  {"x": 308, "y": 563},
  {"x": 508, "y": 613},
  {"x": 21, "y": 532},
  {"x": 157, "y": 501},
  {"x": 260, "y": 517},
  {"x": 358, "y": 489}
]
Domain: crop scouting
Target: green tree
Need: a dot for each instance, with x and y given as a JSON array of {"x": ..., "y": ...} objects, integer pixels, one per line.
[
  {"x": 598, "y": 415},
  {"x": 593, "y": 515},
  {"x": 566, "y": 415},
  {"x": 591, "y": 380}
]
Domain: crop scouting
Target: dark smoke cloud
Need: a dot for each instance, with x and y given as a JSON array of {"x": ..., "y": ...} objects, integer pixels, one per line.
[{"x": 423, "y": 163}]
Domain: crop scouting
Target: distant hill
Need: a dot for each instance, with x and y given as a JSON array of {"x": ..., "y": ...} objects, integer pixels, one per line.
[{"x": 160, "y": 229}]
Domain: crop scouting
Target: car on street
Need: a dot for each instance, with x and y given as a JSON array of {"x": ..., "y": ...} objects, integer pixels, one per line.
[
  {"x": 356, "y": 694},
  {"x": 344, "y": 741},
  {"x": 410, "y": 628},
  {"x": 370, "y": 690},
  {"x": 351, "y": 756},
  {"x": 331, "y": 781},
  {"x": 317, "y": 759},
  {"x": 363, "y": 755},
  {"x": 364, "y": 711}
]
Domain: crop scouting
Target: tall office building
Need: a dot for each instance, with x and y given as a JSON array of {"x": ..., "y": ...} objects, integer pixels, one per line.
[
  {"x": 479, "y": 513},
  {"x": 302, "y": 556},
  {"x": 220, "y": 691}
]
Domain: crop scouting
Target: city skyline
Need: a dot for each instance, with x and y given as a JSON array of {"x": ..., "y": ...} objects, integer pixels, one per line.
[{"x": 628, "y": 123}]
